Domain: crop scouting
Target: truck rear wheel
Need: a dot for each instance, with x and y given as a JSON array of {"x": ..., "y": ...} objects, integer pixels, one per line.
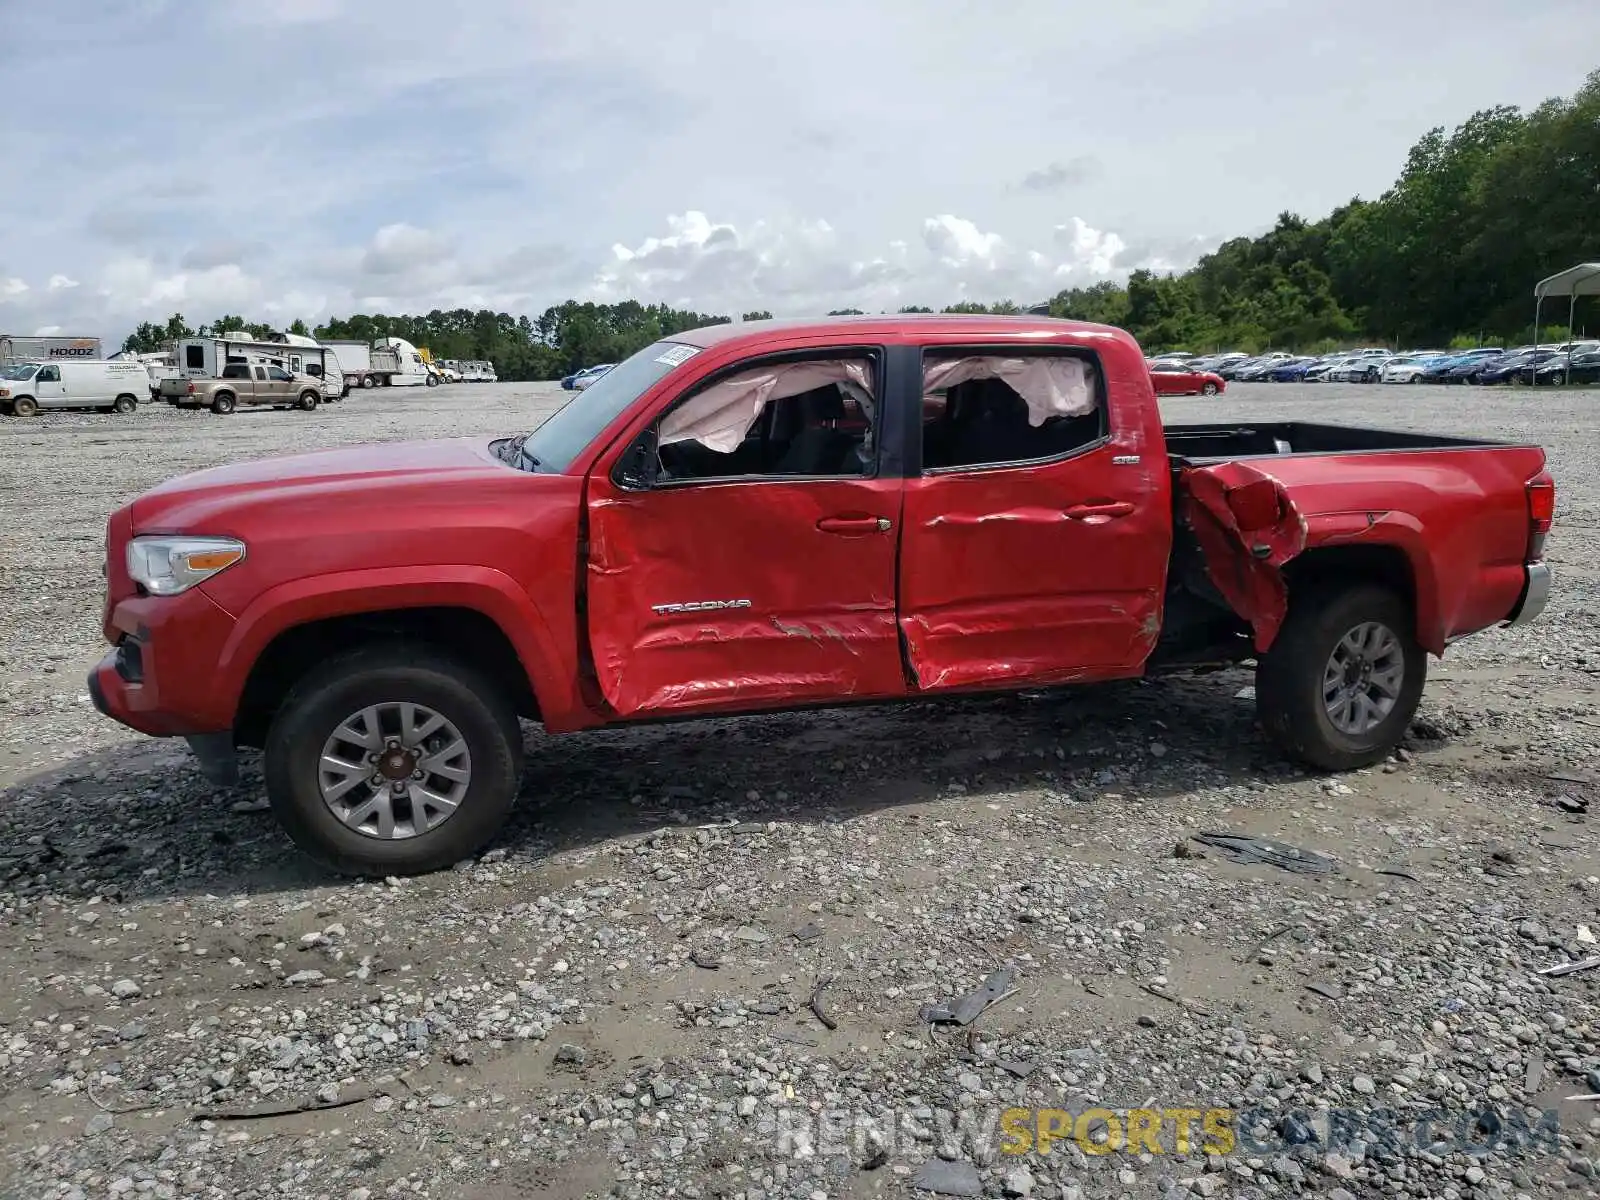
[
  {"x": 1339, "y": 687},
  {"x": 387, "y": 761},
  {"x": 222, "y": 403}
]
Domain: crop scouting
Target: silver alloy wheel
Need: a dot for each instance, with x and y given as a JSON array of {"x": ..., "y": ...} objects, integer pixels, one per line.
[
  {"x": 1363, "y": 679},
  {"x": 394, "y": 770}
]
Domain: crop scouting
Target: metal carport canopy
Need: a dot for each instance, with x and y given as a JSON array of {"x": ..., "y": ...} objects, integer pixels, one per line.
[{"x": 1581, "y": 280}]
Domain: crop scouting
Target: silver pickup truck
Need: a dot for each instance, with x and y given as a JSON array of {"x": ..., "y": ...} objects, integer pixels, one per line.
[{"x": 244, "y": 383}]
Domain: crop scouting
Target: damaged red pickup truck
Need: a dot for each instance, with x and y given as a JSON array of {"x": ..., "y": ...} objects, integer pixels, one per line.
[{"x": 782, "y": 514}]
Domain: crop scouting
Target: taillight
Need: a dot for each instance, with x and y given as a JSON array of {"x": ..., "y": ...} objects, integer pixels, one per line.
[
  {"x": 191, "y": 388},
  {"x": 1541, "y": 512}
]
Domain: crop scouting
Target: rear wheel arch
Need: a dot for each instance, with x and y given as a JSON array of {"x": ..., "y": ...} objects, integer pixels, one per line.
[
  {"x": 1386, "y": 564},
  {"x": 458, "y": 633}
]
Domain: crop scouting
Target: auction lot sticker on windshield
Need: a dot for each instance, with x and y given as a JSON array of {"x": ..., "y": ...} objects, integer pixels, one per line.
[{"x": 676, "y": 356}]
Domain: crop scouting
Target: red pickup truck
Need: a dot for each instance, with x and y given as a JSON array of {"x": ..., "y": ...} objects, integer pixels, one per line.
[{"x": 786, "y": 514}]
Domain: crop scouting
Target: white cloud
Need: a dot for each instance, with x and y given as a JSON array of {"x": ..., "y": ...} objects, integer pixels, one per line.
[
  {"x": 957, "y": 241},
  {"x": 58, "y": 282},
  {"x": 139, "y": 284},
  {"x": 47, "y": 331},
  {"x": 401, "y": 249},
  {"x": 799, "y": 266},
  {"x": 12, "y": 287},
  {"x": 1092, "y": 250}
]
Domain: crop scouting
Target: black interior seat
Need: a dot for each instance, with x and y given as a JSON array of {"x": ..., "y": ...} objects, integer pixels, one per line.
[
  {"x": 991, "y": 425},
  {"x": 819, "y": 448}
]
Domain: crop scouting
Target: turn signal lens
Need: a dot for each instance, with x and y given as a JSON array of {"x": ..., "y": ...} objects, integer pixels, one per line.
[{"x": 165, "y": 566}]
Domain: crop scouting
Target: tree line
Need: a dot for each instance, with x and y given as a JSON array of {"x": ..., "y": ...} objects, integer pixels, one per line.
[{"x": 1448, "y": 255}]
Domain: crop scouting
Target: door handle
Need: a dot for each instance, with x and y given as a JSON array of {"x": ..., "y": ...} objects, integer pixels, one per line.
[
  {"x": 1114, "y": 508},
  {"x": 855, "y": 526}
]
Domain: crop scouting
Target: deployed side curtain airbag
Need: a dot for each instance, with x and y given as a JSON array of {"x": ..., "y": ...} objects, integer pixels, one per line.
[
  {"x": 1050, "y": 385},
  {"x": 720, "y": 417}
]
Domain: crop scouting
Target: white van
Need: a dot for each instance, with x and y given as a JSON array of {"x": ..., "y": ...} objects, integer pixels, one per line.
[{"x": 25, "y": 388}]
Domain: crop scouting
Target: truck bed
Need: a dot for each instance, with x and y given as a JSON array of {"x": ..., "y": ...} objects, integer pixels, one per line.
[{"x": 1199, "y": 445}]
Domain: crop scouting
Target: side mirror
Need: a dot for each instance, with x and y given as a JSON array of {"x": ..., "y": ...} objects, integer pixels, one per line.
[{"x": 638, "y": 469}]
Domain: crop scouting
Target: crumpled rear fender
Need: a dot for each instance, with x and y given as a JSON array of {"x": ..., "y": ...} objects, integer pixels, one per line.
[{"x": 1248, "y": 528}]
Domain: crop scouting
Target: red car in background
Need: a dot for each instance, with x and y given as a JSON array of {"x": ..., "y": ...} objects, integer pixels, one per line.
[{"x": 1175, "y": 379}]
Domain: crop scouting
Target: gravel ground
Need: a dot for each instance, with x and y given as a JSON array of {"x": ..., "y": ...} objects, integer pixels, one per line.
[{"x": 617, "y": 998}]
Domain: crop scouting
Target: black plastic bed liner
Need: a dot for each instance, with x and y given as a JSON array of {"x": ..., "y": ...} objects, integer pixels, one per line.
[{"x": 1274, "y": 439}]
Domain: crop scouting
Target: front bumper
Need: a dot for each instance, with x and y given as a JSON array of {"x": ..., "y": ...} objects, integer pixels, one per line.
[
  {"x": 1535, "y": 594},
  {"x": 160, "y": 675}
]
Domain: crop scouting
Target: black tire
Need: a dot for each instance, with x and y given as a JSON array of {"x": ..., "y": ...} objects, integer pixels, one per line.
[
  {"x": 223, "y": 403},
  {"x": 1208, "y": 389},
  {"x": 382, "y": 674},
  {"x": 125, "y": 404},
  {"x": 308, "y": 401},
  {"x": 367, "y": 381},
  {"x": 433, "y": 381},
  {"x": 25, "y": 406},
  {"x": 1289, "y": 677}
]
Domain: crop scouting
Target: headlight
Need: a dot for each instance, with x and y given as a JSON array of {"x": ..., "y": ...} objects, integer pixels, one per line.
[{"x": 165, "y": 566}]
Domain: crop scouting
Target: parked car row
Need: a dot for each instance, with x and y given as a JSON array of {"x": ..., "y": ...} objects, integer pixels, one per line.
[
  {"x": 1533, "y": 366},
  {"x": 1574, "y": 363}
]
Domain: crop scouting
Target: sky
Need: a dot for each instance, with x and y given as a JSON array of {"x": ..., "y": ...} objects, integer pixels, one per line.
[{"x": 284, "y": 159}]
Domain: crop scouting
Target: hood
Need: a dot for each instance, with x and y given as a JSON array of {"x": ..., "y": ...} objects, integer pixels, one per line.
[{"x": 192, "y": 503}]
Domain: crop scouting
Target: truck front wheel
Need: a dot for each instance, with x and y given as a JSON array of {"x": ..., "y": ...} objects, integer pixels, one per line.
[
  {"x": 1339, "y": 687},
  {"x": 389, "y": 762},
  {"x": 309, "y": 401}
]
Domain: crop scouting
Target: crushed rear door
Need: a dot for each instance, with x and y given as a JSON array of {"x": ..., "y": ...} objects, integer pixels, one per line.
[{"x": 1248, "y": 528}]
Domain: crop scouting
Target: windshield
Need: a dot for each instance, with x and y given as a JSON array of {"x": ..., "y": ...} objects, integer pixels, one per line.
[
  {"x": 18, "y": 371},
  {"x": 554, "y": 445}
]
